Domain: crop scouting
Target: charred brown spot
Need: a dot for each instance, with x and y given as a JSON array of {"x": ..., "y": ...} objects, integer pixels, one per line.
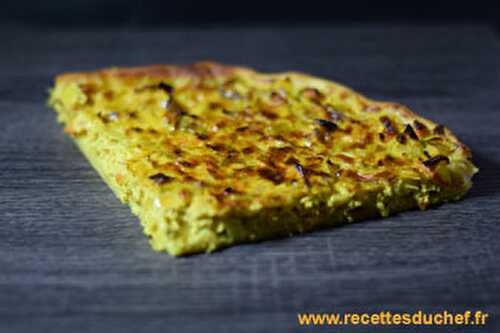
[
  {"x": 296, "y": 134},
  {"x": 278, "y": 97},
  {"x": 202, "y": 137},
  {"x": 231, "y": 157},
  {"x": 386, "y": 174},
  {"x": 381, "y": 136},
  {"x": 214, "y": 170},
  {"x": 220, "y": 196},
  {"x": 279, "y": 137},
  {"x": 345, "y": 158},
  {"x": 322, "y": 135},
  {"x": 108, "y": 94},
  {"x": 274, "y": 175},
  {"x": 319, "y": 173},
  {"x": 160, "y": 178},
  {"x": 242, "y": 129},
  {"x": 221, "y": 124},
  {"x": 162, "y": 86},
  {"x": 389, "y": 128},
  {"x": 228, "y": 112},
  {"x": 419, "y": 126},
  {"x": 215, "y": 105},
  {"x": 433, "y": 161},
  {"x": 326, "y": 124},
  {"x": 188, "y": 164},
  {"x": 277, "y": 154},
  {"x": 230, "y": 82},
  {"x": 189, "y": 179},
  {"x": 260, "y": 133},
  {"x": 269, "y": 115},
  {"x": 410, "y": 132},
  {"x": 216, "y": 146},
  {"x": 401, "y": 138},
  {"x": 344, "y": 95},
  {"x": 312, "y": 93},
  {"x": 89, "y": 90},
  {"x": 248, "y": 150},
  {"x": 166, "y": 87},
  {"x": 246, "y": 171},
  {"x": 174, "y": 114},
  {"x": 281, "y": 150},
  {"x": 391, "y": 160},
  {"x": 354, "y": 175},
  {"x": 439, "y": 130},
  {"x": 229, "y": 190},
  {"x": 108, "y": 117},
  {"x": 435, "y": 140}
]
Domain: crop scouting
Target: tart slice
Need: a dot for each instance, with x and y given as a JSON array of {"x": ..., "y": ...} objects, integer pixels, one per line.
[{"x": 209, "y": 155}]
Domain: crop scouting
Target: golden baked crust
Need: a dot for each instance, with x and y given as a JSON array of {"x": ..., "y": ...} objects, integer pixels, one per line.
[{"x": 210, "y": 155}]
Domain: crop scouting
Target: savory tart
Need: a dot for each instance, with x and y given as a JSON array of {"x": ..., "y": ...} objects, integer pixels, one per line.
[{"x": 210, "y": 155}]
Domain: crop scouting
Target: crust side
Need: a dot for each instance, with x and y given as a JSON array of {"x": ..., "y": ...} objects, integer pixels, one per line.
[{"x": 197, "y": 71}]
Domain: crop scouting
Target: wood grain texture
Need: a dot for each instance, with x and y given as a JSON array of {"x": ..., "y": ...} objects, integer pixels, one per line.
[{"x": 73, "y": 259}]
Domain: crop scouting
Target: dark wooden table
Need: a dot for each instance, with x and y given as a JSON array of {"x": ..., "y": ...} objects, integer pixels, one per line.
[{"x": 73, "y": 259}]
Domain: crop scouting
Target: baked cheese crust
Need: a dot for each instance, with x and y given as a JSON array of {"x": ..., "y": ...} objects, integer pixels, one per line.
[{"x": 209, "y": 155}]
